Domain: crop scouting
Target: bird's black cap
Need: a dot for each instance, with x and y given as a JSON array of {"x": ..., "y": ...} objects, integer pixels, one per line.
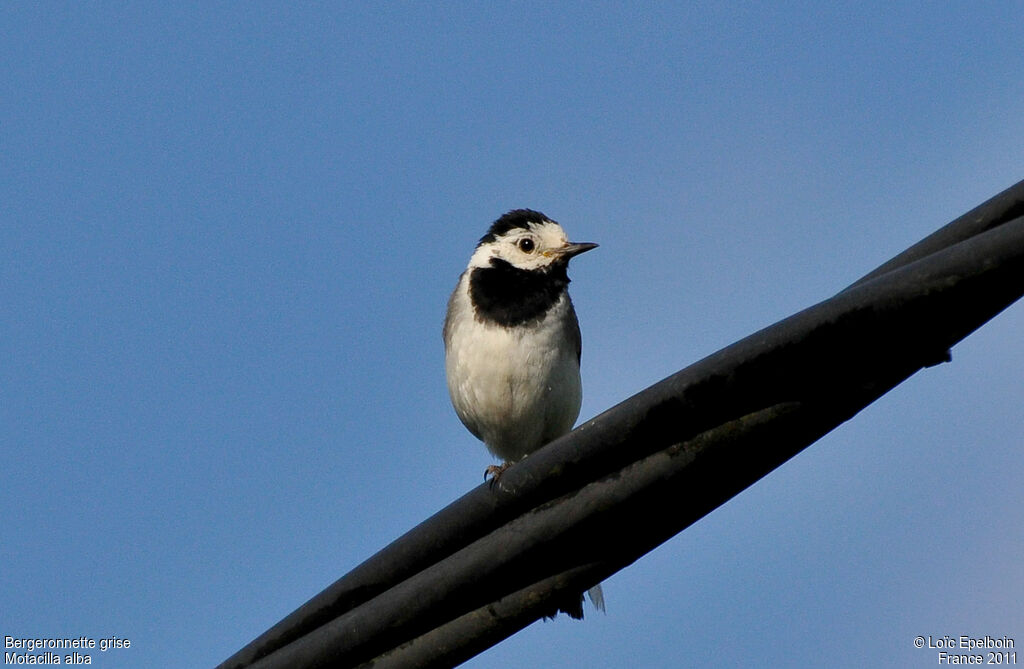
[{"x": 517, "y": 218}]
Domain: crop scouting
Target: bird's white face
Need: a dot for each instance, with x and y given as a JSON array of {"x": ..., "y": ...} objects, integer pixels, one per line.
[{"x": 537, "y": 247}]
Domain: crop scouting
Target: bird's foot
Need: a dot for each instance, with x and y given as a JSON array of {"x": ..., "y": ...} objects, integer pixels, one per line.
[{"x": 495, "y": 472}]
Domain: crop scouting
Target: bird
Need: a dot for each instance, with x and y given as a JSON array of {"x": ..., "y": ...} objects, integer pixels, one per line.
[{"x": 512, "y": 343}]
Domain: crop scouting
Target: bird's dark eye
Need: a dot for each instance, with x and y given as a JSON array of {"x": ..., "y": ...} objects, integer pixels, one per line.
[{"x": 526, "y": 245}]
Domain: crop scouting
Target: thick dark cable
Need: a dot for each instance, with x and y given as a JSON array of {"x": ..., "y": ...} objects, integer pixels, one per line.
[
  {"x": 1004, "y": 207},
  {"x": 831, "y": 359}
]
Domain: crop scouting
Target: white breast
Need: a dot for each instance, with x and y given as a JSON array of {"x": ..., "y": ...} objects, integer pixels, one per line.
[{"x": 514, "y": 388}]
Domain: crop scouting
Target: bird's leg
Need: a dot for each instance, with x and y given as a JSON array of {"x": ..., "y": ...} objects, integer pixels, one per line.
[{"x": 495, "y": 471}]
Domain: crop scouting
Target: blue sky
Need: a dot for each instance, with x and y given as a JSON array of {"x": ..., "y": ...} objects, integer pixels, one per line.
[{"x": 229, "y": 232}]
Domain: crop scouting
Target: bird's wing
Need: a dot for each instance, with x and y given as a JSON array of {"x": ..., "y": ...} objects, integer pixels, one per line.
[{"x": 574, "y": 332}]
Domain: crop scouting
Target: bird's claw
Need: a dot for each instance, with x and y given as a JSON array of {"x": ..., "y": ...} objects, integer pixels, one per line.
[{"x": 495, "y": 472}]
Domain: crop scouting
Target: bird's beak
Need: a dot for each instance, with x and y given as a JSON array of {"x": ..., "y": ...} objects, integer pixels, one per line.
[{"x": 574, "y": 249}]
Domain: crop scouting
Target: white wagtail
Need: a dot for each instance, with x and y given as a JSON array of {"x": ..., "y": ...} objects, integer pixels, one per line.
[{"x": 512, "y": 342}]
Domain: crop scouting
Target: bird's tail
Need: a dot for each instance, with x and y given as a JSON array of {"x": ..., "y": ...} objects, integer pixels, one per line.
[
  {"x": 573, "y": 605},
  {"x": 596, "y": 595}
]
